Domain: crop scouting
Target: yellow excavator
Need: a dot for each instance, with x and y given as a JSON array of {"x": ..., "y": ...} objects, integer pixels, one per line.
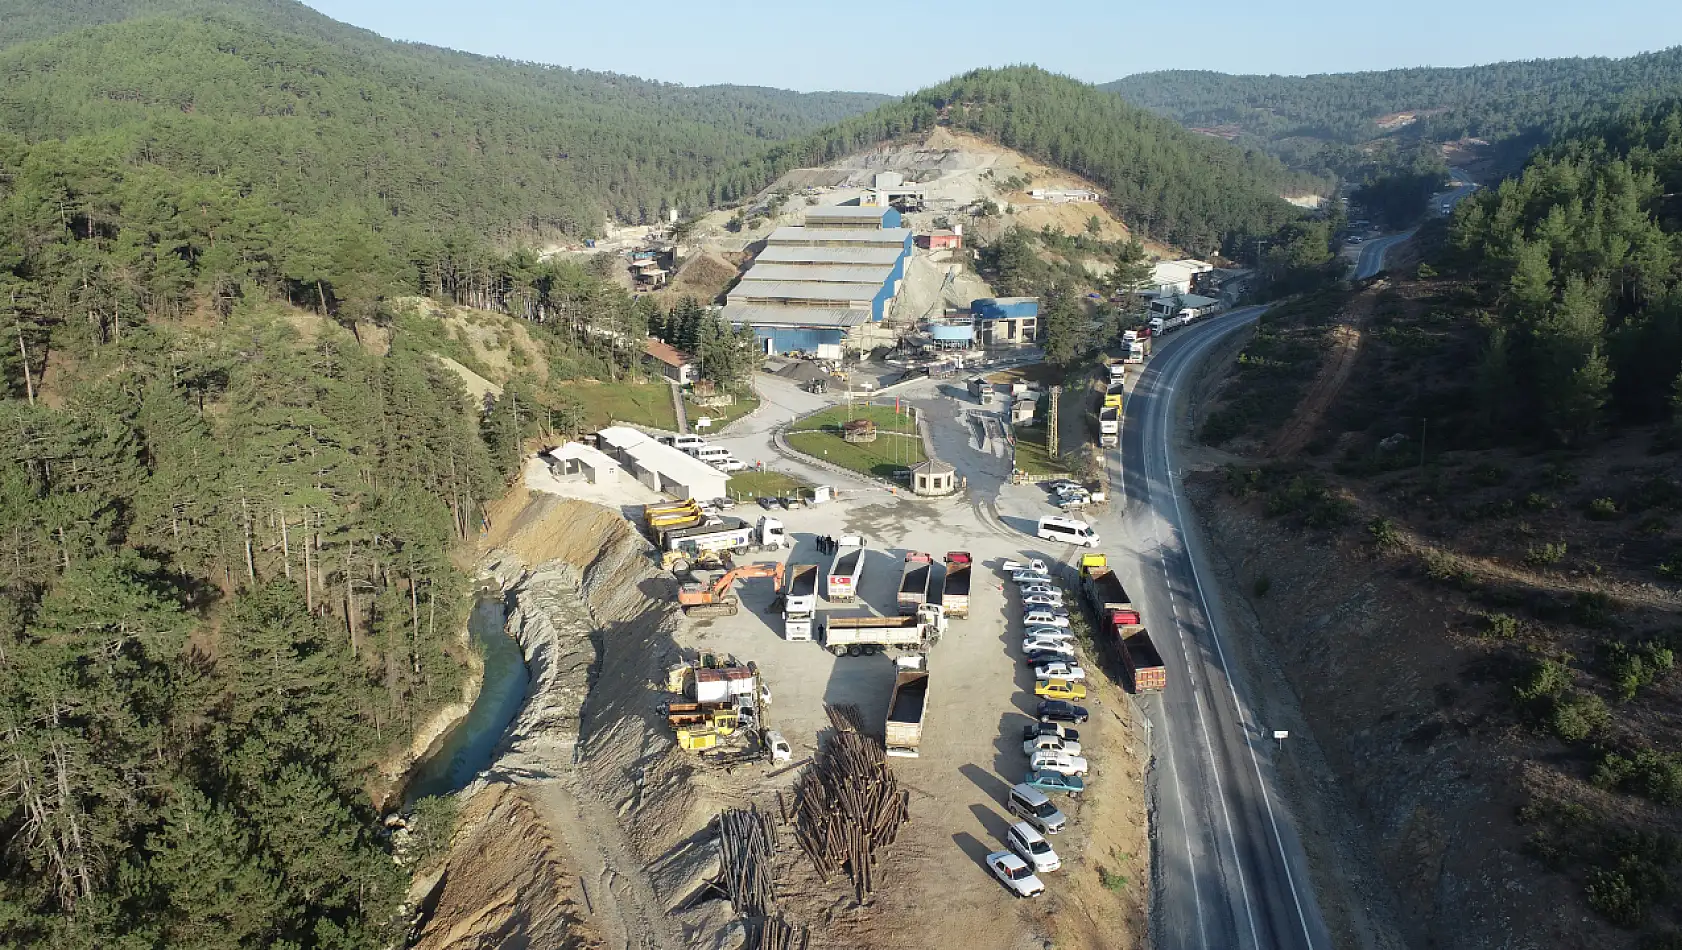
[{"x": 716, "y": 599}]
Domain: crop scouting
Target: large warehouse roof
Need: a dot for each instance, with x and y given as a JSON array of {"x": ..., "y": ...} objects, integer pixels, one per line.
[
  {"x": 796, "y": 254},
  {"x": 883, "y": 237},
  {"x": 828, "y": 275},
  {"x": 802, "y": 290},
  {"x": 674, "y": 465},
  {"x": 846, "y": 213},
  {"x": 768, "y": 316}
]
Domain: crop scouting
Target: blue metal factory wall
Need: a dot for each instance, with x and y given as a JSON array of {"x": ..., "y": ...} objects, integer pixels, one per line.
[
  {"x": 879, "y": 306},
  {"x": 796, "y": 339}
]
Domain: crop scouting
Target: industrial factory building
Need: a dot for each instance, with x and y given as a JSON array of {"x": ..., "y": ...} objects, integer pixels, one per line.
[{"x": 815, "y": 288}]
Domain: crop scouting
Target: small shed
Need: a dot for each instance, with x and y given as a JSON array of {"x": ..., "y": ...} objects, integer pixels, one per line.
[
  {"x": 575, "y": 459},
  {"x": 858, "y": 430},
  {"x": 946, "y": 240},
  {"x": 933, "y": 477}
]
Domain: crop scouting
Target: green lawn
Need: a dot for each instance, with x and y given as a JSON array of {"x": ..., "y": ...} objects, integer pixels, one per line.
[
  {"x": 648, "y": 404},
  {"x": 1031, "y": 455},
  {"x": 1043, "y": 373},
  {"x": 883, "y": 458},
  {"x": 819, "y": 435},
  {"x": 721, "y": 415},
  {"x": 759, "y": 484},
  {"x": 835, "y": 416}
]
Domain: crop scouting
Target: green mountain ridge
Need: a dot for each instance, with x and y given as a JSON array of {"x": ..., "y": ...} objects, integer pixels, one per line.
[{"x": 1512, "y": 104}]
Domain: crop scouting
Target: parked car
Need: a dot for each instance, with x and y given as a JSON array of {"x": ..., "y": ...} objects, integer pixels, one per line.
[
  {"x": 1054, "y": 743},
  {"x": 1036, "y": 657},
  {"x": 1045, "y": 643},
  {"x": 1058, "y": 710},
  {"x": 1060, "y": 689},
  {"x": 1042, "y": 600},
  {"x": 792, "y": 502},
  {"x": 1049, "y": 781},
  {"x": 1059, "y": 670},
  {"x": 729, "y": 464},
  {"x": 1063, "y": 484},
  {"x": 1042, "y": 617},
  {"x": 723, "y": 504},
  {"x": 1050, "y": 729},
  {"x": 1046, "y": 630},
  {"x": 1014, "y": 874},
  {"x": 1059, "y": 762},
  {"x": 1016, "y": 567},
  {"x": 1039, "y": 589},
  {"x": 1032, "y": 848},
  {"x": 1025, "y": 578},
  {"x": 772, "y": 502}
]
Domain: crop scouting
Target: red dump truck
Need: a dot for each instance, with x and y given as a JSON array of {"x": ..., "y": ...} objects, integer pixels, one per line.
[
  {"x": 1144, "y": 664},
  {"x": 914, "y": 582},
  {"x": 1109, "y": 599},
  {"x": 954, "y": 594}
]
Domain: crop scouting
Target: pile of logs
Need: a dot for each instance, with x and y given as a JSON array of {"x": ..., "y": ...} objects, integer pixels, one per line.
[
  {"x": 747, "y": 839},
  {"x": 848, "y": 804},
  {"x": 779, "y": 934}
]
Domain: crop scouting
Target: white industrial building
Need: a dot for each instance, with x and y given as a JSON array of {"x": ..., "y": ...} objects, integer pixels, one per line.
[
  {"x": 574, "y": 459},
  {"x": 662, "y": 467},
  {"x": 1175, "y": 277}
]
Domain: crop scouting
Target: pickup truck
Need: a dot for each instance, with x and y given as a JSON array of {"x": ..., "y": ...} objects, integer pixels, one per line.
[
  {"x": 954, "y": 594},
  {"x": 845, "y": 573},
  {"x": 906, "y": 709},
  {"x": 800, "y": 601},
  {"x": 857, "y": 636},
  {"x": 914, "y": 581}
]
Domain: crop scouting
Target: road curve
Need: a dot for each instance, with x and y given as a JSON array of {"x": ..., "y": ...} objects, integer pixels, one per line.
[
  {"x": 1371, "y": 259},
  {"x": 1229, "y": 871}
]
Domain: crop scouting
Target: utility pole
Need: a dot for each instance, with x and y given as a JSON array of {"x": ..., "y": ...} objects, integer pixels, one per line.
[{"x": 1051, "y": 423}]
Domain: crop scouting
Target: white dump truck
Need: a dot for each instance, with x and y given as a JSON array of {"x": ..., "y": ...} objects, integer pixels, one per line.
[
  {"x": 858, "y": 636},
  {"x": 907, "y": 708},
  {"x": 846, "y": 571}
]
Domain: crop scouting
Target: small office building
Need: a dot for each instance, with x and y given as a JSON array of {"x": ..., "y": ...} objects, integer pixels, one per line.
[
  {"x": 661, "y": 467},
  {"x": 1006, "y": 321}
]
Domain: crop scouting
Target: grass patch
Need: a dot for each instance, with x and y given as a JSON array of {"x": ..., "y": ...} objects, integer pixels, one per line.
[
  {"x": 646, "y": 404},
  {"x": 760, "y": 484},
  {"x": 884, "y": 458},
  {"x": 721, "y": 415},
  {"x": 886, "y": 419},
  {"x": 1031, "y": 454},
  {"x": 1044, "y": 374}
]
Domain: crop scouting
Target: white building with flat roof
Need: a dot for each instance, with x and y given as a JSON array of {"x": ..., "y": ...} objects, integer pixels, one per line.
[{"x": 662, "y": 467}]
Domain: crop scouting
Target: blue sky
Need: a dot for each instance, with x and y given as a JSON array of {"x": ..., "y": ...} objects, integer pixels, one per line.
[{"x": 873, "y": 46}]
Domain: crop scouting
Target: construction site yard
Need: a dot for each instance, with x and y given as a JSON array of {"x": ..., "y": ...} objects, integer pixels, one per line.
[{"x": 933, "y": 886}]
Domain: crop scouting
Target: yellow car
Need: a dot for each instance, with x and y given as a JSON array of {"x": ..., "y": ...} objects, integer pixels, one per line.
[{"x": 1060, "y": 689}]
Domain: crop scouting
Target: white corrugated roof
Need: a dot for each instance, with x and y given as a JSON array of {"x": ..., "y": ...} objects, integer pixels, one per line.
[
  {"x": 583, "y": 453},
  {"x": 878, "y": 236},
  {"x": 846, "y": 256},
  {"x": 828, "y": 318},
  {"x": 802, "y": 290},
  {"x": 819, "y": 273},
  {"x": 854, "y": 212}
]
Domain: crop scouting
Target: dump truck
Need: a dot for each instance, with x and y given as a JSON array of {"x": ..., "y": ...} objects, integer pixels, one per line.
[
  {"x": 1115, "y": 397},
  {"x": 1117, "y": 370},
  {"x": 715, "y": 599},
  {"x": 906, "y": 708},
  {"x": 846, "y": 571},
  {"x": 857, "y": 636},
  {"x": 954, "y": 594},
  {"x": 713, "y": 542},
  {"x": 800, "y": 601},
  {"x": 1138, "y": 350},
  {"x": 651, "y": 512},
  {"x": 1109, "y": 426},
  {"x": 914, "y": 581},
  {"x": 1144, "y": 664},
  {"x": 1104, "y": 591}
]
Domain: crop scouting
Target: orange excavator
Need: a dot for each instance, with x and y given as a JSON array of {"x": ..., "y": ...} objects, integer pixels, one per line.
[{"x": 715, "y": 599}]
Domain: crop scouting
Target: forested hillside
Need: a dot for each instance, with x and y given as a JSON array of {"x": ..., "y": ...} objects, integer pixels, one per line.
[
  {"x": 1165, "y": 182},
  {"x": 1578, "y": 259},
  {"x": 268, "y": 93},
  {"x": 1312, "y": 121}
]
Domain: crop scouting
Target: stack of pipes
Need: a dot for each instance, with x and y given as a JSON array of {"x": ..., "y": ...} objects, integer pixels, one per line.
[{"x": 848, "y": 805}]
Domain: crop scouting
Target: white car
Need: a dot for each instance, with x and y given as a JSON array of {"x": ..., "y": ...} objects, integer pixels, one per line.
[
  {"x": 1064, "y": 484},
  {"x": 1039, "y": 589},
  {"x": 1032, "y": 847},
  {"x": 1050, "y": 744},
  {"x": 1060, "y": 762},
  {"x": 1042, "y": 600},
  {"x": 1047, "y": 630},
  {"x": 1041, "y": 617},
  {"x": 1047, "y": 643},
  {"x": 1059, "y": 670},
  {"x": 1031, "y": 578},
  {"x": 1015, "y": 874},
  {"x": 1016, "y": 567},
  {"x": 729, "y": 465}
]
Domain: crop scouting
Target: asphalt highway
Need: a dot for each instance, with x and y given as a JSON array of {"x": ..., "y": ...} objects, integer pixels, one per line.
[
  {"x": 1229, "y": 869},
  {"x": 1371, "y": 260}
]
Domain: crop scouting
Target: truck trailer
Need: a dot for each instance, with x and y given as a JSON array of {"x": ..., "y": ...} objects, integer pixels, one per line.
[
  {"x": 800, "y": 601},
  {"x": 1144, "y": 664},
  {"x": 1104, "y": 591},
  {"x": 1109, "y": 426},
  {"x": 906, "y": 709},
  {"x": 954, "y": 594},
  {"x": 845, "y": 573},
  {"x": 857, "y": 636},
  {"x": 914, "y": 581}
]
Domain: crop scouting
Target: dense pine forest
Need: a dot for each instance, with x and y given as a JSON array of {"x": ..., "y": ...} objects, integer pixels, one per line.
[
  {"x": 1314, "y": 122},
  {"x": 270, "y": 94},
  {"x": 1577, "y": 262}
]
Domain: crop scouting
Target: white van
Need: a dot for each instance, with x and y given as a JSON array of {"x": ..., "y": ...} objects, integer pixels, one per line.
[
  {"x": 1071, "y": 530},
  {"x": 712, "y": 454},
  {"x": 687, "y": 443}
]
